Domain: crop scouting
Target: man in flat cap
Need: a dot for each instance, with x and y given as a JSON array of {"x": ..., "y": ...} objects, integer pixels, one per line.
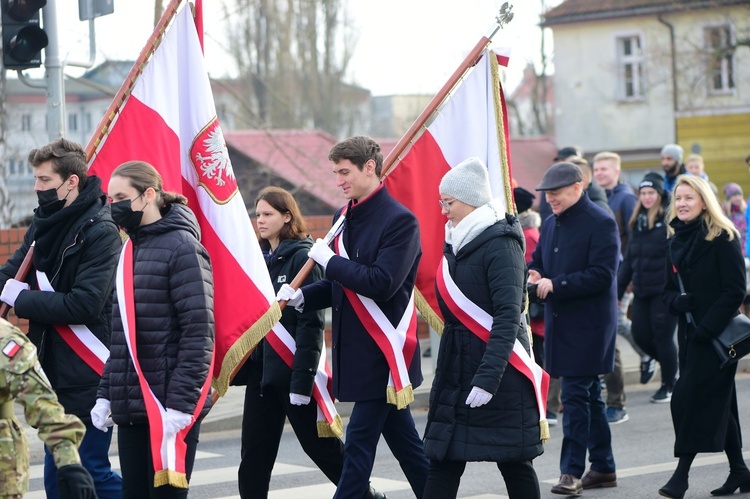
[{"x": 575, "y": 268}]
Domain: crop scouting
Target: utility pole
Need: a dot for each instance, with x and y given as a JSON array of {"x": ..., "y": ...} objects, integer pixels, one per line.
[{"x": 53, "y": 75}]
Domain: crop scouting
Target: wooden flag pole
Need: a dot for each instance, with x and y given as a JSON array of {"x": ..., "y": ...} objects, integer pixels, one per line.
[
  {"x": 21, "y": 274},
  {"x": 503, "y": 18}
]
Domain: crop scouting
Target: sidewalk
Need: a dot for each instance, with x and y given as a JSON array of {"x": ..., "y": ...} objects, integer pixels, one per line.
[{"x": 227, "y": 413}]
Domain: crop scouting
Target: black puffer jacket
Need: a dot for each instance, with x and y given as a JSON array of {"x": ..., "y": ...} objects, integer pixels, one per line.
[
  {"x": 306, "y": 327},
  {"x": 82, "y": 275},
  {"x": 174, "y": 320},
  {"x": 645, "y": 259},
  {"x": 489, "y": 270}
]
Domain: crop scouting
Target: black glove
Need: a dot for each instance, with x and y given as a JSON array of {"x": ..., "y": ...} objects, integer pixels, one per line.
[
  {"x": 701, "y": 335},
  {"x": 684, "y": 302},
  {"x": 74, "y": 482}
]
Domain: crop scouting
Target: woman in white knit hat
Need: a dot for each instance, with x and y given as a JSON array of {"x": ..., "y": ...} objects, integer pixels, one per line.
[{"x": 481, "y": 408}]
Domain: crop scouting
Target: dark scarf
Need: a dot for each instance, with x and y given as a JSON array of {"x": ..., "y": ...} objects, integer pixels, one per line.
[
  {"x": 53, "y": 230},
  {"x": 687, "y": 241}
]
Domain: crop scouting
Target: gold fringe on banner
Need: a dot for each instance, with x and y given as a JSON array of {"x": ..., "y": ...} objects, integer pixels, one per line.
[
  {"x": 335, "y": 429},
  {"x": 402, "y": 398},
  {"x": 544, "y": 430},
  {"x": 429, "y": 315},
  {"x": 504, "y": 161},
  {"x": 169, "y": 477},
  {"x": 243, "y": 345}
]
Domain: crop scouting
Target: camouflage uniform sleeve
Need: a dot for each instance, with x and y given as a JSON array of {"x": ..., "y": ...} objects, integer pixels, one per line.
[{"x": 28, "y": 385}]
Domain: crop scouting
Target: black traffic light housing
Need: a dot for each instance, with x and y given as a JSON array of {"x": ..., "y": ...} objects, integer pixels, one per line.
[{"x": 23, "y": 37}]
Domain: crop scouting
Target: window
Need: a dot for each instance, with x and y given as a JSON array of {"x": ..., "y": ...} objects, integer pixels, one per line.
[
  {"x": 25, "y": 122},
  {"x": 720, "y": 58},
  {"x": 630, "y": 67},
  {"x": 86, "y": 122},
  {"x": 72, "y": 122}
]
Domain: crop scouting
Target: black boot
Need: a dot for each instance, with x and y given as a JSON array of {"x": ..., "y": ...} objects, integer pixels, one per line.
[
  {"x": 675, "y": 487},
  {"x": 735, "y": 480}
]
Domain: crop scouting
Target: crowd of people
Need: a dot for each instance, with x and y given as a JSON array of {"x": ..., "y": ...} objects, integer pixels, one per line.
[{"x": 124, "y": 326}]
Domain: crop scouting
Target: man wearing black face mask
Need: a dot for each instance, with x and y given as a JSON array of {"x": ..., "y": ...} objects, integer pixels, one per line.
[{"x": 67, "y": 296}]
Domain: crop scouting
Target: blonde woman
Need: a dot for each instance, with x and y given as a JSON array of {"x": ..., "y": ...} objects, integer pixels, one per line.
[{"x": 705, "y": 288}]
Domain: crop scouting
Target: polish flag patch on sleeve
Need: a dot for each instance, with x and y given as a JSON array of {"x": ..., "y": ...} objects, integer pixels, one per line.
[{"x": 11, "y": 349}]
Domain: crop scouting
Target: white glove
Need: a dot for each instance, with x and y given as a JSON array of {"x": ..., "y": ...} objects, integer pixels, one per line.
[
  {"x": 101, "y": 416},
  {"x": 176, "y": 421},
  {"x": 478, "y": 397},
  {"x": 321, "y": 253},
  {"x": 11, "y": 290},
  {"x": 297, "y": 399},
  {"x": 293, "y": 297}
]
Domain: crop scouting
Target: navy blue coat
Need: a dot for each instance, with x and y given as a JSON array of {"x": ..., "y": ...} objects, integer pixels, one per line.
[
  {"x": 382, "y": 239},
  {"x": 579, "y": 251}
]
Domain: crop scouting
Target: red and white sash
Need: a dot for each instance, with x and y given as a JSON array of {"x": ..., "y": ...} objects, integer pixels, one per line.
[
  {"x": 167, "y": 450},
  {"x": 397, "y": 343},
  {"x": 329, "y": 421},
  {"x": 78, "y": 337},
  {"x": 479, "y": 323}
]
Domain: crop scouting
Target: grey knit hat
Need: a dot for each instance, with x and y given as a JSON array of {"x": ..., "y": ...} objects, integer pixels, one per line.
[
  {"x": 673, "y": 150},
  {"x": 468, "y": 182}
]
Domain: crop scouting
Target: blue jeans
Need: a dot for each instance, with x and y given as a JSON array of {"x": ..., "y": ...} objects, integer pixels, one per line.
[
  {"x": 94, "y": 452},
  {"x": 585, "y": 427}
]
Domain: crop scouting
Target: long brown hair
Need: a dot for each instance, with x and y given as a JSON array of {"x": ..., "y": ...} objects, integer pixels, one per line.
[
  {"x": 282, "y": 201},
  {"x": 656, "y": 212},
  {"x": 141, "y": 176}
]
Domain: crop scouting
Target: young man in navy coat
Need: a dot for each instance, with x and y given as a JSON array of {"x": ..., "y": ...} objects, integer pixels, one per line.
[
  {"x": 382, "y": 251},
  {"x": 574, "y": 267}
]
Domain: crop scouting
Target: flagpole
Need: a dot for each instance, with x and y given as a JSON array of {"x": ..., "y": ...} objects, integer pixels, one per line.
[{"x": 125, "y": 90}]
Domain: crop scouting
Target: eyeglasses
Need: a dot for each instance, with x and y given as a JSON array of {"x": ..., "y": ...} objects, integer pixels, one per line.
[{"x": 446, "y": 205}]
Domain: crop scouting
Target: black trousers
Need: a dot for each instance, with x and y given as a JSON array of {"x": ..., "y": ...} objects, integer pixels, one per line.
[
  {"x": 262, "y": 427},
  {"x": 653, "y": 329},
  {"x": 137, "y": 468},
  {"x": 444, "y": 477}
]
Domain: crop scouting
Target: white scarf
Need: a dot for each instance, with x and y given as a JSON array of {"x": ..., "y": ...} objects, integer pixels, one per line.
[{"x": 472, "y": 225}]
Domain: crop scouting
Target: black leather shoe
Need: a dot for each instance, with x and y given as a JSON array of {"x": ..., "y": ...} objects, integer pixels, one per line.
[
  {"x": 735, "y": 481},
  {"x": 568, "y": 486},
  {"x": 595, "y": 480},
  {"x": 374, "y": 494},
  {"x": 675, "y": 488}
]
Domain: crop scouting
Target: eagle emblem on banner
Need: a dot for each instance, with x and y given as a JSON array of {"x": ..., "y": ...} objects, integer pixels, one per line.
[{"x": 210, "y": 158}]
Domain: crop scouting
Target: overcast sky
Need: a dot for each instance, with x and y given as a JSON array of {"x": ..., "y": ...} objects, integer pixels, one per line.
[{"x": 403, "y": 46}]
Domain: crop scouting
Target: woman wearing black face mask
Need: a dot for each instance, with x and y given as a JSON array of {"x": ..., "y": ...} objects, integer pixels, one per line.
[{"x": 163, "y": 310}]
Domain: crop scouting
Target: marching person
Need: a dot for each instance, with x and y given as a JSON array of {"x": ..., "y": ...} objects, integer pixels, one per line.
[
  {"x": 653, "y": 326},
  {"x": 156, "y": 381},
  {"x": 280, "y": 381},
  {"x": 67, "y": 297},
  {"x": 575, "y": 268},
  {"x": 481, "y": 407},
  {"x": 705, "y": 288},
  {"x": 22, "y": 380},
  {"x": 369, "y": 283}
]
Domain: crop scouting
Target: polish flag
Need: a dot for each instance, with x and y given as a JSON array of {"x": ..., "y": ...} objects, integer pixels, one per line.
[
  {"x": 165, "y": 115},
  {"x": 471, "y": 122}
]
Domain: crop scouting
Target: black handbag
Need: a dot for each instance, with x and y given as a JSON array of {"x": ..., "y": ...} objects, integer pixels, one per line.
[{"x": 733, "y": 342}]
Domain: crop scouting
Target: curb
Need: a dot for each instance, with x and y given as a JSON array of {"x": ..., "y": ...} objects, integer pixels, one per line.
[{"x": 232, "y": 419}]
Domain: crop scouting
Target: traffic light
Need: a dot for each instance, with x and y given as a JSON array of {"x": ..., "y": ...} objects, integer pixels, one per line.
[{"x": 23, "y": 38}]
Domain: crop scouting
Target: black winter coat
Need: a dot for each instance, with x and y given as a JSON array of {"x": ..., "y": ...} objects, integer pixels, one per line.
[
  {"x": 704, "y": 395},
  {"x": 645, "y": 259},
  {"x": 83, "y": 278},
  {"x": 490, "y": 271},
  {"x": 173, "y": 288},
  {"x": 306, "y": 327}
]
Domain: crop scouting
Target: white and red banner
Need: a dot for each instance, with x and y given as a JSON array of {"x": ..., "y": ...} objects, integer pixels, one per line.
[
  {"x": 472, "y": 122},
  {"x": 165, "y": 115}
]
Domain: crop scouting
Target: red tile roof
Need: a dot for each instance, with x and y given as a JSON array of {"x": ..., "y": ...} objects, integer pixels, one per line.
[
  {"x": 298, "y": 156},
  {"x": 587, "y": 10}
]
